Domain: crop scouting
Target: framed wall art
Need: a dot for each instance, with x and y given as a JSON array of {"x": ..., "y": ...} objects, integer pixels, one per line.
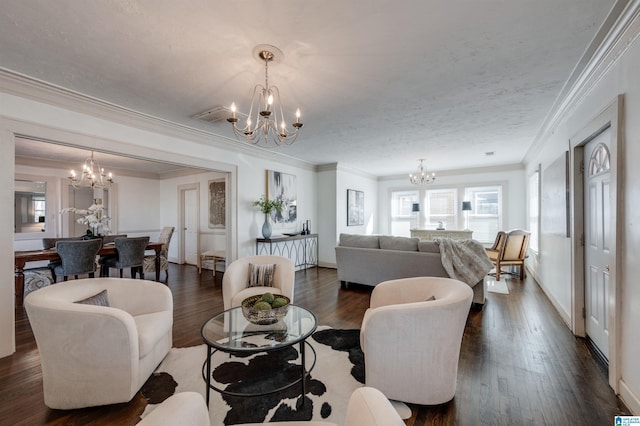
[
  {"x": 355, "y": 207},
  {"x": 282, "y": 186},
  {"x": 217, "y": 203}
]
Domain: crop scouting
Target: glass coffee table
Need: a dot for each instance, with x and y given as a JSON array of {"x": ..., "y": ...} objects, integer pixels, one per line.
[{"x": 230, "y": 332}]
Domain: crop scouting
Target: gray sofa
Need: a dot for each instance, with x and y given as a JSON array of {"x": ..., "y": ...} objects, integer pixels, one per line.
[{"x": 372, "y": 259}]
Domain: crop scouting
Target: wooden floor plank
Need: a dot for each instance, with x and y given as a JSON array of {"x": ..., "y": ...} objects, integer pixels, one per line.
[{"x": 519, "y": 363}]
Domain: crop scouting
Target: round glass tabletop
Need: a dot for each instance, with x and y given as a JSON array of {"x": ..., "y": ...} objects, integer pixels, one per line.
[{"x": 230, "y": 331}]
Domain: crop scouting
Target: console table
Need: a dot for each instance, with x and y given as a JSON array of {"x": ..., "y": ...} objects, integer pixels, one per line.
[
  {"x": 302, "y": 249},
  {"x": 430, "y": 234}
]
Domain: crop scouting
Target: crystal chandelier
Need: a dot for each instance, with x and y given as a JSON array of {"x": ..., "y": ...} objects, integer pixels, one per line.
[
  {"x": 265, "y": 125},
  {"x": 421, "y": 177},
  {"x": 92, "y": 175}
]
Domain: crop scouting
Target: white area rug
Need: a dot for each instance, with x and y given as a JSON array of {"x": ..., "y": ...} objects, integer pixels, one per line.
[
  {"x": 327, "y": 395},
  {"x": 494, "y": 286}
]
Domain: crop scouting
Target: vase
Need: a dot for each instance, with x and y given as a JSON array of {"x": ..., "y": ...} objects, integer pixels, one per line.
[{"x": 266, "y": 227}]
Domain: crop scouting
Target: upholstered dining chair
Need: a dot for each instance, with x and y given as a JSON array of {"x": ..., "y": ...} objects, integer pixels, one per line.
[
  {"x": 130, "y": 254},
  {"x": 236, "y": 279},
  {"x": 150, "y": 260},
  {"x": 512, "y": 252},
  {"x": 49, "y": 243},
  {"x": 76, "y": 258},
  {"x": 99, "y": 339},
  {"x": 411, "y": 337}
]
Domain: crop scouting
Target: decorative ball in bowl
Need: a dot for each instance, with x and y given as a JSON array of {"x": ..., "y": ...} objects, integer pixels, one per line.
[{"x": 265, "y": 309}]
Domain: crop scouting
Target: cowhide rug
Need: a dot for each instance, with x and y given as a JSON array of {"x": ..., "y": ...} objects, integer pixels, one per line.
[{"x": 338, "y": 371}]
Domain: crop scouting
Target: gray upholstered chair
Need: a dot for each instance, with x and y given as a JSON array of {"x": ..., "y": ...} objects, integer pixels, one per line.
[
  {"x": 150, "y": 260},
  {"x": 76, "y": 258},
  {"x": 49, "y": 243},
  {"x": 130, "y": 254}
]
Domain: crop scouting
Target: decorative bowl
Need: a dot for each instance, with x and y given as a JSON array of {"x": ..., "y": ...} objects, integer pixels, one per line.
[{"x": 263, "y": 317}]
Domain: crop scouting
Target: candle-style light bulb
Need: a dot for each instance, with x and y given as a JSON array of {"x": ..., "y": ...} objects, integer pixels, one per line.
[
  {"x": 298, "y": 115},
  {"x": 233, "y": 109}
]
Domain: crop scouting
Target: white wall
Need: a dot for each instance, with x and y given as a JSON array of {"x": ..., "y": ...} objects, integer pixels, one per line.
[
  {"x": 327, "y": 215},
  {"x": 554, "y": 269},
  {"x": 511, "y": 177}
]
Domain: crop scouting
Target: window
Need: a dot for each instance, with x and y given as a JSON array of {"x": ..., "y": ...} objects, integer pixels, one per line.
[
  {"x": 445, "y": 205},
  {"x": 440, "y": 206},
  {"x": 402, "y": 218},
  {"x": 485, "y": 217},
  {"x": 39, "y": 206}
]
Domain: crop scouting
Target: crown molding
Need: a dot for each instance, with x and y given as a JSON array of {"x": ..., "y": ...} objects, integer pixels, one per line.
[
  {"x": 40, "y": 91},
  {"x": 616, "y": 34}
]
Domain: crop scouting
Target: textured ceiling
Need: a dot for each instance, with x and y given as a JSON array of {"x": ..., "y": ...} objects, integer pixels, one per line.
[{"x": 380, "y": 83}]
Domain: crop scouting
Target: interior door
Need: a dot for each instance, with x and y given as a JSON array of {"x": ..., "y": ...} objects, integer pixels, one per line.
[
  {"x": 191, "y": 207},
  {"x": 80, "y": 198},
  {"x": 597, "y": 173}
]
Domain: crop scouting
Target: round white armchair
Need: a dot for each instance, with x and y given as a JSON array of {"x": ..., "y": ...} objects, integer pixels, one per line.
[
  {"x": 411, "y": 337},
  {"x": 102, "y": 352}
]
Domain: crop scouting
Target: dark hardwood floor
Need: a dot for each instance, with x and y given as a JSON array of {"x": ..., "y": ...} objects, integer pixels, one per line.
[{"x": 519, "y": 363}]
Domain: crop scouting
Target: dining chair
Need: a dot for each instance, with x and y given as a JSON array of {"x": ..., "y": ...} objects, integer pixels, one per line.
[
  {"x": 77, "y": 257},
  {"x": 50, "y": 243},
  {"x": 129, "y": 254},
  {"x": 150, "y": 260}
]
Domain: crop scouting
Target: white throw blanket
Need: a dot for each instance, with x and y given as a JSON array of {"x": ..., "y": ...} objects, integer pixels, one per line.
[{"x": 464, "y": 260}]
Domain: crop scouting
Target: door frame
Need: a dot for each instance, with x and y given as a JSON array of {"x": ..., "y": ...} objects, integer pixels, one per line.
[
  {"x": 182, "y": 189},
  {"x": 611, "y": 117}
]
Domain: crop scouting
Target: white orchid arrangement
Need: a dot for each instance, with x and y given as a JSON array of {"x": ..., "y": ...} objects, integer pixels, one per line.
[{"x": 94, "y": 217}]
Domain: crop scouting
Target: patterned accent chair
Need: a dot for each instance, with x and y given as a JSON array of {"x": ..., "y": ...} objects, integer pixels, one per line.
[
  {"x": 512, "y": 252},
  {"x": 150, "y": 260},
  {"x": 77, "y": 258},
  {"x": 130, "y": 254}
]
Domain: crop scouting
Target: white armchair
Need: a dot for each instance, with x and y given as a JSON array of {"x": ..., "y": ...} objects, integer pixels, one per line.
[
  {"x": 97, "y": 355},
  {"x": 412, "y": 345},
  {"x": 367, "y": 406},
  {"x": 236, "y": 279}
]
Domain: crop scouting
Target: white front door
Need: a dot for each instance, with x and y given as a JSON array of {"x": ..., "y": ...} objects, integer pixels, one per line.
[
  {"x": 597, "y": 166},
  {"x": 191, "y": 216}
]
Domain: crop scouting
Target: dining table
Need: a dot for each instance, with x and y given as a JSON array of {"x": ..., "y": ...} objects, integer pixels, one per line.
[{"x": 23, "y": 257}]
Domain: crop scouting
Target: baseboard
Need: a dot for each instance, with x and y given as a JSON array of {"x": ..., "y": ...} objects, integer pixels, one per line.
[
  {"x": 630, "y": 399},
  {"x": 566, "y": 316}
]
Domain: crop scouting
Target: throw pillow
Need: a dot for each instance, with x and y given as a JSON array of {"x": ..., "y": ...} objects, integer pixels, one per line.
[
  {"x": 261, "y": 275},
  {"x": 100, "y": 299}
]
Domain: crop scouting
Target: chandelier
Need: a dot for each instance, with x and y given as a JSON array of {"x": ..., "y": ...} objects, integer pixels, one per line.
[
  {"x": 92, "y": 175},
  {"x": 265, "y": 125},
  {"x": 421, "y": 177}
]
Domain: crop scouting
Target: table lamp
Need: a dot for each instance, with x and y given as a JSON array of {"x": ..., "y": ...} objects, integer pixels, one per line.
[{"x": 466, "y": 208}]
